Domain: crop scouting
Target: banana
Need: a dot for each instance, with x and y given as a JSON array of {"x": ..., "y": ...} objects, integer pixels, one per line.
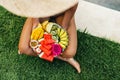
[
  {"x": 44, "y": 24},
  {"x": 39, "y": 25},
  {"x": 64, "y": 39},
  {"x": 62, "y": 32},
  {"x": 64, "y": 43},
  {"x": 63, "y": 46},
  {"x": 64, "y": 35}
]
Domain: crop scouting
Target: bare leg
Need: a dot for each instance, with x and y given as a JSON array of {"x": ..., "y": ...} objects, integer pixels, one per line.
[
  {"x": 70, "y": 51},
  {"x": 24, "y": 47}
]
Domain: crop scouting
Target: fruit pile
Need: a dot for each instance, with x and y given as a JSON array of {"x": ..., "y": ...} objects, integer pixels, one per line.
[{"x": 48, "y": 40}]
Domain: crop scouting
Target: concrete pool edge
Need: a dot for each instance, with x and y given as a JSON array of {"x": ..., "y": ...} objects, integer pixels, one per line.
[{"x": 98, "y": 20}]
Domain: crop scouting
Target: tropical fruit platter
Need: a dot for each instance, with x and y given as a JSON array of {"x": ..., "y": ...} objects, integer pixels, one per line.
[{"x": 49, "y": 40}]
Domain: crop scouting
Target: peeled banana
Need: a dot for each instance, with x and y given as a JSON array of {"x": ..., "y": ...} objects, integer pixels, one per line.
[
  {"x": 63, "y": 41},
  {"x": 64, "y": 35},
  {"x": 62, "y": 32},
  {"x": 62, "y": 45}
]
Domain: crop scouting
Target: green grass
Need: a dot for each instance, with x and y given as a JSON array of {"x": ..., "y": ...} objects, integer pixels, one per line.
[{"x": 99, "y": 58}]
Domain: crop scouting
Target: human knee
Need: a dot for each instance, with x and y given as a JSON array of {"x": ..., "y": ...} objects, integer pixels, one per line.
[
  {"x": 22, "y": 48},
  {"x": 73, "y": 9}
]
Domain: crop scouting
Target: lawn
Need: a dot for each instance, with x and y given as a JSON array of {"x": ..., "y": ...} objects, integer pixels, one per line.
[{"x": 99, "y": 58}]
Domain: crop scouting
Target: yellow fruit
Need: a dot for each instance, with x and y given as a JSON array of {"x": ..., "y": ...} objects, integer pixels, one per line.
[
  {"x": 37, "y": 33},
  {"x": 64, "y": 42},
  {"x": 39, "y": 25},
  {"x": 44, "y": 24},
  {"x": 63, "y": 46},
  {"x": 32, "y": 35},
  {"x": 35, "y": 37},
  {"x": 64, "y": 39},
  {"x": 64, "y": 35},
  {"x": 58, "y": 31},
  {"x": 62, "y": 32},
  {"x": 41, "y": 34}
]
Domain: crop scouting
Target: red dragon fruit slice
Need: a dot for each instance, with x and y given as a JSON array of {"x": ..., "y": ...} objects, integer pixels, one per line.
[{"x": 56, "y": 49}]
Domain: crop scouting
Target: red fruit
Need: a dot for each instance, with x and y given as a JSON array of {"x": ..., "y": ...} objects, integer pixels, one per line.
[
  {"x": 47, "y": 36},
  {"x": 48, "y": 47},
  {"x": 48, "y": 58},
  {"x": 48, "y": 52}
]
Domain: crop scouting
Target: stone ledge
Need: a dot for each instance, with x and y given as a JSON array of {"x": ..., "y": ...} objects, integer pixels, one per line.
[{"x": 98, "y": 20}]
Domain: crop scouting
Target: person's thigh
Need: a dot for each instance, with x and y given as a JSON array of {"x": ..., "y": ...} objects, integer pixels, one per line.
[
  {"x": 70, "y": 51},
  {"x": 24, "y": 41}
]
